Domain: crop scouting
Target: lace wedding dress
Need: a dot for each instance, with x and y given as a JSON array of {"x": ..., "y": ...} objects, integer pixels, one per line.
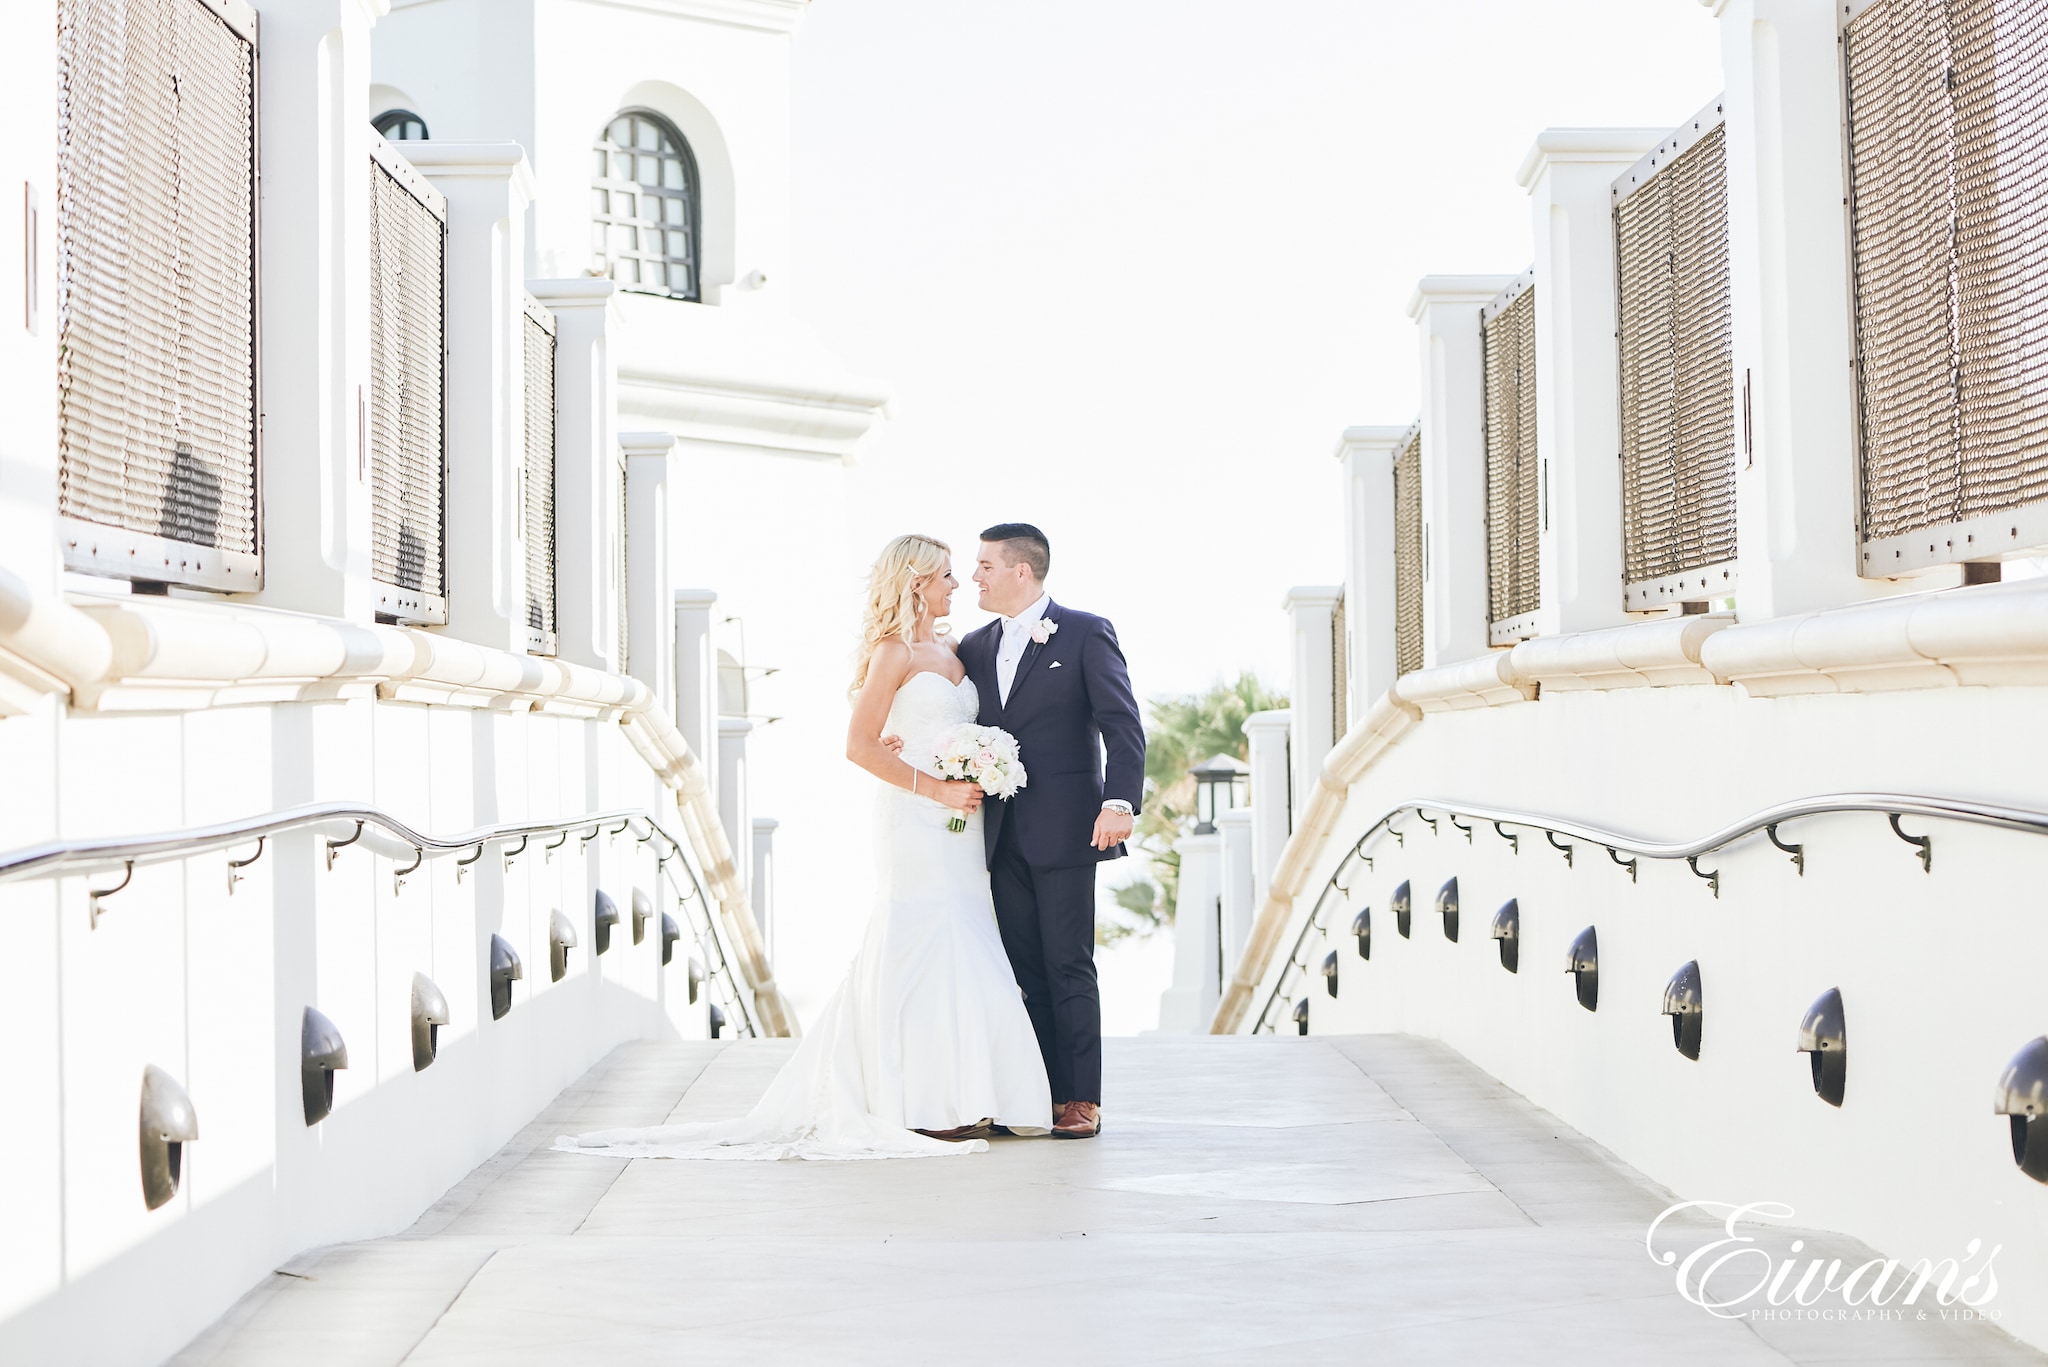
[{"x": 928, "y": 1030}]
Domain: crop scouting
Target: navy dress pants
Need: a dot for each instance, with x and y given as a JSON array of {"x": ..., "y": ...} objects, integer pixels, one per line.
[{"x": 1047, "y": 918}]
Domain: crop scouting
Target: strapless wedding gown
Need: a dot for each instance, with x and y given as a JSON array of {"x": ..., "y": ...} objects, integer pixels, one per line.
[{"x": 927, "y": 1032}]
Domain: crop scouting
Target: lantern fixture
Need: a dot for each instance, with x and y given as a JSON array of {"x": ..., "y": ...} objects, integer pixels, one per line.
[
  {"x": 1330, "y": 972},
  {"x": 1402, "y": 905},
  {"x": 1217, "y": 779},
  {"x": 1361, "y": 926}
]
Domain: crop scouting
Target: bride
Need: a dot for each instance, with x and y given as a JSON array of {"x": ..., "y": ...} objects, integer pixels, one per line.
[{"x": 926, "y": 1045}]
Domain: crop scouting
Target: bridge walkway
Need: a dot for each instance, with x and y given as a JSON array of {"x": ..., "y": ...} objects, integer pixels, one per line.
[{"x": 1371, "y": 1199}]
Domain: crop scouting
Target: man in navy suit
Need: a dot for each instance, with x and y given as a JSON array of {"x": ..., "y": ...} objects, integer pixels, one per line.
[{"x": 1055, "y": 679}]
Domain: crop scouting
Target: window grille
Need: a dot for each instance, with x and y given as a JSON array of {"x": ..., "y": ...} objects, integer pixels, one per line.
[
  {"x": 1507, "y": 336},
  {"x": 156, "y": 290},
  {"x": 1408, "y": 553},
  {"x": 407, "y": 457},
  {"x": 1677, "y": 370},
  {"x": 400, "y": 125},
  {"x": 539, "y": 491},
  {"x": 1340, "y": 674},
  {"x": 645, "y": 207},
  {"x": 1947, "y": 114}
]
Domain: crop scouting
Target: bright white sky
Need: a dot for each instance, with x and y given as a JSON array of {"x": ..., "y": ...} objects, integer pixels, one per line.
[{"x": 1131, "y": 266}]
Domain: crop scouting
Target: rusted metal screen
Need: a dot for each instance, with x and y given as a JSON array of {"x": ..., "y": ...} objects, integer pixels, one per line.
[
  {"x": 625, "y": 562},
  {"x": 156, "y": 289},
  {"x": 539, "y": 335},
  {"x": 1340, "y": 674},
  {"x": 1408, "y": 554},
  {"x": 1508, "y": 340},
  {"x": 1948, "y": 164},
  {"x": 1677, "y": 371},
  {"x": 405, "y": 430}
]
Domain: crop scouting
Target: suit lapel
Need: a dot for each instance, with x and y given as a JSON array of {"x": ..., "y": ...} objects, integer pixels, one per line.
[{"x": 1031, "y": 654}]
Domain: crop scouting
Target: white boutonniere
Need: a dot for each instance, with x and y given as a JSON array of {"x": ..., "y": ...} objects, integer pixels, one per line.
[{"x": 1042, "y": 630}]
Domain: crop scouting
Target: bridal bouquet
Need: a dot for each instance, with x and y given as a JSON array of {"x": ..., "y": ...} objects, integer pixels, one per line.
[{"x": 980, "y": 754}]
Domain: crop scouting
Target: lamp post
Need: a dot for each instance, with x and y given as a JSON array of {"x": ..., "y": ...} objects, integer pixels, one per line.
[{"x": 1216, "y": 779}]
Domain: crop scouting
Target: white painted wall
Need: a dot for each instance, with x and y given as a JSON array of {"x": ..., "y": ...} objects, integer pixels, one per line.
[{"x": 211, "y": 987}]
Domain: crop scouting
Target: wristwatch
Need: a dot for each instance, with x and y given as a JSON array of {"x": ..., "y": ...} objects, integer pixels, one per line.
[{"x": 1117, "y": 804}]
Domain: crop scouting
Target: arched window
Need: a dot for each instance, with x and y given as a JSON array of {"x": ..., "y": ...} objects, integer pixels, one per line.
[
  {"x": 644, "y": 206},
  {"x": 401, "y": 125}
]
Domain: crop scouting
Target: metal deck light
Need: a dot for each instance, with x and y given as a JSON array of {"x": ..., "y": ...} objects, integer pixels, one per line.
[
  {"x": 1683, "y": 1003},
  {"x": 2023, "y": 1098},
  {"x": 1447, "y": 907},
  {"x": 643, "y": 912},
  {"x": 1507, "y": 929},
  {"x": 1361, "y": 926},
  {"x": 1330, "y": 972},
  {"x": 429, "y": 1014},
  {"x": 505, "y": 970},
  {"x": 607, "y": 917},
  {"x": 1403, "y": 906},
  {"x": 321, "y": 1051},
  {"x": 1301, "y": 1017},
  {"x": 561, "y": 939},
  {"x": 168, "y": 1123},
  {"x": 1824, "y": 1038},
  {"x": 1582, "y": 961}
]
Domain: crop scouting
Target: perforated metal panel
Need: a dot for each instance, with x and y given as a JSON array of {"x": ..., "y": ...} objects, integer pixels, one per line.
[
  {"x": 408, "y": 237},
  {"x": 1340, "y": 674},
  {"x": 1947, "y": 105},
  {"x": 1408, "y": 553},
  {"x": 1507, "y": 335},
  {"x": 625, "y": 561},
  {"x": 540, "y": 478},
  {"x": 1677, "y": 370},
  {"x": 156, "y": 290}
]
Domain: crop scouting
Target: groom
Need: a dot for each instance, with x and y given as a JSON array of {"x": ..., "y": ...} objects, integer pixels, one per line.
[{"x": 1054, "y": 678}]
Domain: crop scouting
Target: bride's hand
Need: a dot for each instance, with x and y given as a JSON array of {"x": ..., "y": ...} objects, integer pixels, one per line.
[
  {"x": 893, "y": 744},
  {"x": 960, "y": 795}
]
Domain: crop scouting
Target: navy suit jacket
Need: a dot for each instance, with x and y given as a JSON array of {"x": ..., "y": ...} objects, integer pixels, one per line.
[{"x": 1070, "y": 704}]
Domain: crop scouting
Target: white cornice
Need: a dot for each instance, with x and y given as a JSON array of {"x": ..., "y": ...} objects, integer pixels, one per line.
[
  {"x": 1455, "y": 289},
  {"x": 764, "y": 16},
  {"x": 1616, "y": 147}
]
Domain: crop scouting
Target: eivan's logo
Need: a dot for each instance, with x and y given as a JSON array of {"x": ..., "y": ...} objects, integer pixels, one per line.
[{"x": 1733, "y": 1275}]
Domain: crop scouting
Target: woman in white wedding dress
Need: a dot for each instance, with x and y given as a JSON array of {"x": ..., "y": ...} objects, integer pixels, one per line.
[{"x": 926, "y": 1044}]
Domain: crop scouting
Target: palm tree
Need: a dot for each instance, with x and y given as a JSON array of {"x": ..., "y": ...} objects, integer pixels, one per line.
[{"x": 1183, "y": 732}]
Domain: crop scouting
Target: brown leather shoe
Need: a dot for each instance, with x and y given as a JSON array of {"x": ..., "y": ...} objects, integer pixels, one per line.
[
  {"x": 1078, "y": 1120},
  {"x": 980, "y": 1129}
]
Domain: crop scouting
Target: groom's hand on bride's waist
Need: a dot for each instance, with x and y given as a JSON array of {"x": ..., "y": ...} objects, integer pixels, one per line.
[{"x": 1112, "y": 828}]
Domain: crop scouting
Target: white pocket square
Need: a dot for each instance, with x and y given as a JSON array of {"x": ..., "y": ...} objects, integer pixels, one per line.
[{"x": 1054, "y": 665}]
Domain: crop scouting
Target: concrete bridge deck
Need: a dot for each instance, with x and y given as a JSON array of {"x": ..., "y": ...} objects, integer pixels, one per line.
[{"x": 1371, "y": 1199}]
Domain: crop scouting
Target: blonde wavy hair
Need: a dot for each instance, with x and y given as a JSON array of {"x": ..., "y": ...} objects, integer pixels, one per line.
[{"x": 891, "y": 612}]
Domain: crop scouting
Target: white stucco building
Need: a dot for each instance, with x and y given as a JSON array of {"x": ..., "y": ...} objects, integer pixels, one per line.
[{"x": 440, "y": 495}]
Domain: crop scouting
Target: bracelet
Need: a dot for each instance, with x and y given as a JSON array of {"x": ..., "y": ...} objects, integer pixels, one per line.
[{"x": 913, "y": 780}]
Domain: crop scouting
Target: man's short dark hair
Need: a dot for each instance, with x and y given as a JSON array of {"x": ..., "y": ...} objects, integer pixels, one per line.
[{"x": 1022, "y": 541}]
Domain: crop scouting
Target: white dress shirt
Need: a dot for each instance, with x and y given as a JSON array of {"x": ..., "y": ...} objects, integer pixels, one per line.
[{"x": 1016, "y": 639}]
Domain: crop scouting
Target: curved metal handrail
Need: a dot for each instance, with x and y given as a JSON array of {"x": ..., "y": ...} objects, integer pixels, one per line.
[
  {"x": 1891, "y": 805},
  {"x": 59, "y": 857}
]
